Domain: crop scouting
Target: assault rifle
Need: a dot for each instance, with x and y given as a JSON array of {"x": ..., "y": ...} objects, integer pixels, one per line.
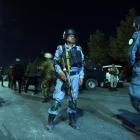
[{"x": 67, "y": 84}]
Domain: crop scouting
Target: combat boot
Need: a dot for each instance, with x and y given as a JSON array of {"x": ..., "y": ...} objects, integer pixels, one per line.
[
  {"x": 50, "y": 122},
  {"x": 46, "y": 100},
  {"x": 115, "y": 89},
  {"x": 72, "y": 122}
]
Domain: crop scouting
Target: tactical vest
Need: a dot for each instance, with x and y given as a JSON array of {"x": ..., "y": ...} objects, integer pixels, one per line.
[
  {"x": 75, "y": 57},
  {"x": 138, "y": 53}
]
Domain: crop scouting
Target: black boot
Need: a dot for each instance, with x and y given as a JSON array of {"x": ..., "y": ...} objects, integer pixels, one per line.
[
  {"x": 50, "y": 122},
  {"x": 115, "y": 89},
  {"x": 72, "y": 122},
  {"x": 111, "y": 89},
  {"x": 46, "y": 100}
]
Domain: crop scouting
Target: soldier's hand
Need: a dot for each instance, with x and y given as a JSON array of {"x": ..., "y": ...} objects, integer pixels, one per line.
[
  {"x": 63, "y": 76},
  {"x": 80, "y": 82}
]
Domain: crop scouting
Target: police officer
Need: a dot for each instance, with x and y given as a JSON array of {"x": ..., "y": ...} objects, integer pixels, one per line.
[
  {"x": 10, "y": 80},
  {"x": 114, "y": 72},
  {"x": 76, "y": 58},
  {"x": 1, "y": 78},
  {"x": 47, "y": 71},
  {"x": 134, "y": 64}
]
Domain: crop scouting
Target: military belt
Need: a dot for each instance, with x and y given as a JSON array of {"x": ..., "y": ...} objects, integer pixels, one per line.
[{"x": 74, "y": 73}]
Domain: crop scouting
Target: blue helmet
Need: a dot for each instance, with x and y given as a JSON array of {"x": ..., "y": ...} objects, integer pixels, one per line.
[{"x": 136, "y": 22}]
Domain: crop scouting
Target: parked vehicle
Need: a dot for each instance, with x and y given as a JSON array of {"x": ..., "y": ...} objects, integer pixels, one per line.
[
  {"x": 107, "y": 75},
  {"x": 93, "y": 75}
]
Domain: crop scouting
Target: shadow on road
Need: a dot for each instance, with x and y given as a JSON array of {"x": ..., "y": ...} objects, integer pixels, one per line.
[
  {"x": 65, "y": 116},
  {"x": 130, "y": 120}
]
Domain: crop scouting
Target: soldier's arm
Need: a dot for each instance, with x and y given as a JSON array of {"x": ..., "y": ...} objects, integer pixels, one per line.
[
  {"x": 133, "y": 44},
  {"x": 56, "y": 59},
  {"x": 81, "y": 73}
]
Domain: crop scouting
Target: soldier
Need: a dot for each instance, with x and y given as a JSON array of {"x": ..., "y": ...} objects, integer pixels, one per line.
[
  {"x": 32, "y": 74},
  {"x": 1, "y": 78},
  {"x": 114, "y": 72},
  {"x": 134, "y": 64},
  {"x": 47, "y": 71},
  {"x": 75, "y": 58},
  {"x": 18, "y": 74},
  {"x": 10, "y": 80}
]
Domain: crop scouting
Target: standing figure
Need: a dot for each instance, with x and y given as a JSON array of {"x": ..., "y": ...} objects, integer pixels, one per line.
[
  {"x": 18, "y": 74},
  {"x": 75, "y": 58},
  {"x": 114, "y": 72},
  {"x": 134, "y": 64},
  {"x": 47, "y": 71},
  {"x": 32, "y": 75},
  {"x": 10, "y": 80}
]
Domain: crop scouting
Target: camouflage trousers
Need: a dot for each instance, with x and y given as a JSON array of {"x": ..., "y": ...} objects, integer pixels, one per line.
[
  {"x": 10, "y": 83},
  {"x": 113, "y": 81},
  {"x": 46, "y": 86}
]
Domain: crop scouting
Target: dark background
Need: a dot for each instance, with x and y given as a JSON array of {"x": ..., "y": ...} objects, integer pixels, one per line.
[{"x": 30, "y": 26}]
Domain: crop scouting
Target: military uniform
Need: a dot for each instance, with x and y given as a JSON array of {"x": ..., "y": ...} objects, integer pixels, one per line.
[
  {"x": 113, "y": 77},
  {"x": 134, "y": 64},
  {"x": 76, "y": 58},
  {"x": 10, "y": 80},
  {"x": 47, "y": 71},
  {"x": 1, "y": 78}
]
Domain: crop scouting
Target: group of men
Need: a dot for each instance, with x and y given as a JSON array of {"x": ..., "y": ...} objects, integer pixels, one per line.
[{"x": 73, "y": 67}]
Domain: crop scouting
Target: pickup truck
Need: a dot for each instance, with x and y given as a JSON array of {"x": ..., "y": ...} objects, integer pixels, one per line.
[
  {"x": 93, "y": 79},
  {"x": 94, "y": 75}
]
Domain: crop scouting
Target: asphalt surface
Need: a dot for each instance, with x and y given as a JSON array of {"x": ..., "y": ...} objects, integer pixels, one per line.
[{"x": 100, "y": 115}]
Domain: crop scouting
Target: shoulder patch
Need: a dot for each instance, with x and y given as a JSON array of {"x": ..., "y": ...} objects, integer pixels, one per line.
[{"x": 130, "y": 41}]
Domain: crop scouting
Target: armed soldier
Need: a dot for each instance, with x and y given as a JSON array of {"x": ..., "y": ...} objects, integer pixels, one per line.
[
  {"x": 1, "y": 78},
  {"x": 114, "y": 72},
  {"x": 134, "y": 64},
  {"x": 47, "y": 71},
  {"x": 10, "y": 80},
  {"x": 74, "y": 61}
]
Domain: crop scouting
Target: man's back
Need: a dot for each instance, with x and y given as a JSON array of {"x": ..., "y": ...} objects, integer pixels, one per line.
[
  {"x": 18, "y": 70},
  {"x": 31, "y": 70}
]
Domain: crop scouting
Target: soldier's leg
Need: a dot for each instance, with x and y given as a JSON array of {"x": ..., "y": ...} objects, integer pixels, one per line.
[
  {"x": 27, "y": 85},
  {"x": 115, "y": 83},
  {"x": 19, "y": 83},
  {"x": 134, "y": 90},
  {"x": 11, "y": 84},
  {"x": 58, "y": 96},
  {"x": 111, "y": 82},
  {"x": 45, "y": 88},
  {"x": 72, "y": 102},
  {"x": 9, "y": 81},
  {"x": 14, "y": 82}
]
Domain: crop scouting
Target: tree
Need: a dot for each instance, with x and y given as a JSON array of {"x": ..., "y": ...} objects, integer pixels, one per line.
[
  {"x": 98, "y": 47},
  {"x": 119, "y": 45}
]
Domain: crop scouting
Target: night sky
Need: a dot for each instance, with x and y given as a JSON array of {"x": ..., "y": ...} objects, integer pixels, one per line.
[{"x": 30, "y": 26}]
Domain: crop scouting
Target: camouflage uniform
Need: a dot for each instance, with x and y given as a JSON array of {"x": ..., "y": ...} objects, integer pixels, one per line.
[
  {"x": 47, "y": 70},
  {"x": 113, "y": 77},
  {"x": 10, "y": 80},
  {"x": 1, "y": 73}
]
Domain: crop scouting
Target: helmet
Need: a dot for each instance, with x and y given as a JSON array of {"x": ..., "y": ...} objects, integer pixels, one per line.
[
  {"x": 11, "y": 67},
  {"x": 18, "y": 60},
  {"x": 68, "y": 32},
  {"x": 136, "y": 22},
  {"x": 48, "y": 55}
]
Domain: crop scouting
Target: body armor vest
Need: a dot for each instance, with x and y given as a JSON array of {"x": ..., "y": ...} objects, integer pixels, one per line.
[{"x": 75, "y": 57}]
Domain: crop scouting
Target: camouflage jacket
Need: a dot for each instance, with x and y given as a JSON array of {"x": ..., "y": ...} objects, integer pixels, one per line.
[
  {"x": 114, "y": 71},
  {"x": 47, "y": 67}
]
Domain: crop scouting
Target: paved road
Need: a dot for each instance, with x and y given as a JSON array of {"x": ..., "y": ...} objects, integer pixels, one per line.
[{"x": 100, "y": 115}]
